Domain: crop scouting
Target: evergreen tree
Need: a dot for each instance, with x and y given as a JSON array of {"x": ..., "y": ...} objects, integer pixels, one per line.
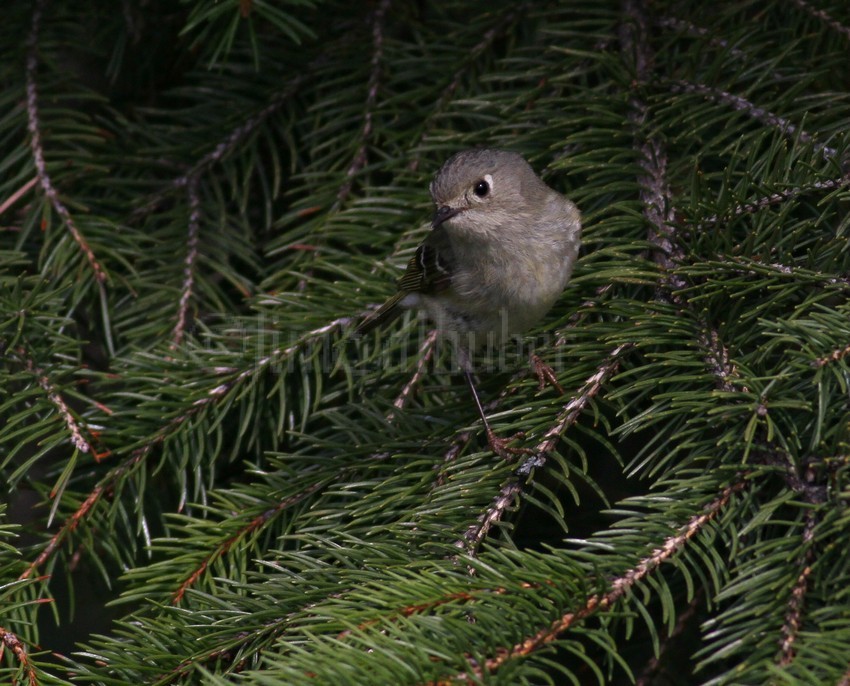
[{"x": 208, "y": 480}]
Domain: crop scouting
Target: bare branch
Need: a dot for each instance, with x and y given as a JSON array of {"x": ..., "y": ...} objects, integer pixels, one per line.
[{"x": 189, "y": 262}]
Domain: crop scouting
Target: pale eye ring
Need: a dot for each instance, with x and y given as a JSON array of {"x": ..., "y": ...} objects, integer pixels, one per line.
[{"x": 481, "y": 189}]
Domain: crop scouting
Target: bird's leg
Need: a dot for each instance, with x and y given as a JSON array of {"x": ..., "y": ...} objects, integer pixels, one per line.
[
  {"x": 497, "y": 444},
  {"x": 545, "y": 374}
]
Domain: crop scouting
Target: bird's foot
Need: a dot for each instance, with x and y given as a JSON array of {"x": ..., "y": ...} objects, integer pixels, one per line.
[
  {"x": 545, "y": 374},
  {"x": 500, "y": 445}
]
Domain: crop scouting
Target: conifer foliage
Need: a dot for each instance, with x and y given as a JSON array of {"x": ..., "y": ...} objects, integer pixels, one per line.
[{"x": 207, "y": 479}]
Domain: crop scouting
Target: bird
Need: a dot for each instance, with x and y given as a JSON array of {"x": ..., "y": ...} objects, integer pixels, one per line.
[{"x": 500, "y": 252}]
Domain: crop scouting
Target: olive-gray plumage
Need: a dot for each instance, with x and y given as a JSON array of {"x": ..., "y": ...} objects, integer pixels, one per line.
[{"x": 501, "y": 250}]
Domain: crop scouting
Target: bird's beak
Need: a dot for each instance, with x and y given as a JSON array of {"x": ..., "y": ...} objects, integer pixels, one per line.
[{"x": 443, "y": 213}]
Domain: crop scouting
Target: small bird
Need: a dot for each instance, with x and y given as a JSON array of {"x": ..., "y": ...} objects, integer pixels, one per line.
[{"x": 501, "y": 250}]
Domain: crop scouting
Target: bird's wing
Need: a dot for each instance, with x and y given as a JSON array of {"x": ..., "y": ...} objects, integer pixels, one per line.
[
  {"x": 430, "y": 269},
  {"x": 428, "y": 272}
]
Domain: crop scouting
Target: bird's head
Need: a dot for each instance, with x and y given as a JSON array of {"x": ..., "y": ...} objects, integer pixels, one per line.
[{"x": 479, "y": 191}]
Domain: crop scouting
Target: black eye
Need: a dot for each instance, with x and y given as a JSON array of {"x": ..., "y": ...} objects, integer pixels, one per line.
[{"x": 482, "y": 188}]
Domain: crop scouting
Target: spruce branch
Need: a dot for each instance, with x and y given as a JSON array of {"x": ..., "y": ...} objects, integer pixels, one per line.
[
  {"x": 754, "y": 266},
  {"x": 505, "y": 20},
  {"x": 760, "y": 114},
  {"x": 34, "y": 127},
  {"x": 103, "y": 488},
  {"x": 10, "y": 641},
  {"x": 73, "y": 426},
  {"x": 796, "y": 601},
  {"x": 194, "y": 199},
  {"x": 651, "y": 154},
  {"x": 656, "y": 199},
  {"x": 361, "y": 155},
  {"x": 251, "y": 526},
  {"x": 619, "y": 587},
  {"x": 777, "y": 198},
  {"x": 714, "y": 344},
  {"x": 218, "y": 393},
  {"x": 823, "y": 16},
  {"x": 190, "y": 664},
  {"x": 691, "y": 29},
  {"x": 717, "y": 360},
  {"x": 655, "y": 193},
  {"x": 278, "y": 356},
  {"x": 568, "y": 416},
  {"x": 226, "y": 146},
  {"x": 470, "y": 596}
]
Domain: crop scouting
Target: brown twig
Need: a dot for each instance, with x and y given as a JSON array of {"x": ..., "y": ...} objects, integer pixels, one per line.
[
  {"x": 13, "y": 643},
  {"x": 796, "y": 601},
  {"x": 602, "y": 601},
  {"x": 361, "y": 155},
  {"x": 75, "y": 429},
  {"x": 226, "y": 146},
  {"x": 426, "y": 353},
  {"x": 253, "y": 525},
  {"x": 740, "y": 104},
  {"x": 777, "y": 198},
  {"x": 189, "y": 262},
  {"x": 34, "y": 127},
  {"x": 567, "y": 417},
  {"x": 107, "y": 484},
  {"x": 823, "y": 16},
  {"x": 834, "y": 356}
]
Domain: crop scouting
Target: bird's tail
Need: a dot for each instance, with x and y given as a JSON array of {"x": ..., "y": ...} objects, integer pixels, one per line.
[{"x": 383, "y": 315}]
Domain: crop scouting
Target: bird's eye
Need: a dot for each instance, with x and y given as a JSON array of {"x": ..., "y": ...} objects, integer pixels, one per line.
[{"x": 482, "y": 188}]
